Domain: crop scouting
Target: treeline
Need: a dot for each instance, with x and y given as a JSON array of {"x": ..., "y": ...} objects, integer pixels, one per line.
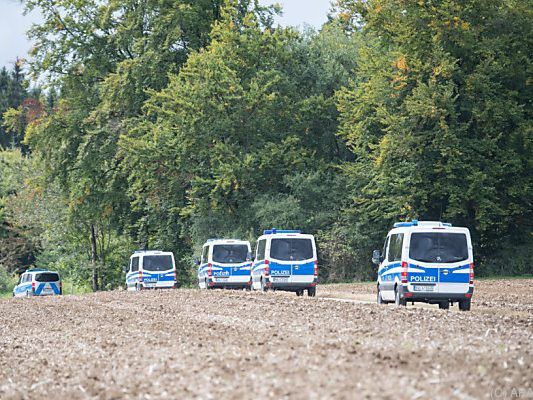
[{"x": 176, "y": 121}]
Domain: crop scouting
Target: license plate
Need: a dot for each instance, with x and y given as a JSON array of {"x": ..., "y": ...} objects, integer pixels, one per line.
[
  {"x": 221, "y": 279},
  {"x": 422, "y": 288},
  {"x": 280, "y": 279}
]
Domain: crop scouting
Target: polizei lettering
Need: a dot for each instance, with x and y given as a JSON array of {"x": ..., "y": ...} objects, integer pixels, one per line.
[
  {"x": 275, "y": 272},
  {"x": 418, "y": 278}
]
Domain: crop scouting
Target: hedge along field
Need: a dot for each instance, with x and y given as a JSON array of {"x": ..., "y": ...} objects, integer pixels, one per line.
[{"x": 161, "y": 124}]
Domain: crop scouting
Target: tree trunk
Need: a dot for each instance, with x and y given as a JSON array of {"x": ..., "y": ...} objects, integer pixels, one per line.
[{"x": 94, "y": 259}]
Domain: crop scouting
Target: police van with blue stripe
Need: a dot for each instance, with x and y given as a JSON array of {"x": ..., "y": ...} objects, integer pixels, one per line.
[
  {"x": 38, "y": 282},
  {"x": 426, "y": 261},
  {"x": 285, "y": 260},
  {"x": 151, "y": 269},
  {"x": 225, "y": 263}
]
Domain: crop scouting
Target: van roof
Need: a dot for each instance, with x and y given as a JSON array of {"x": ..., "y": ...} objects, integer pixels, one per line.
[
  {"x": 40, "y": 270},
  {"x": 150, "y": 252},
  {"x": 425, "y": 225},
  {"x": 275, "y": 231},
  {"x": 226, "y": 241}
]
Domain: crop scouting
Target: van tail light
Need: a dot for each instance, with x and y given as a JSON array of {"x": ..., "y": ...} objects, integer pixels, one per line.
[
  {"x": 404, "y": 272},
  {"x": 33, "y": 287},
  {"x": 267, "y": 268},
  {"x": 140, "y": 276},
  {"x": 209, "y": 269},
  {"x": 315, "y": 271},
  {"x": 471, "y": 273},
  {"x": 175, "y": 276}
]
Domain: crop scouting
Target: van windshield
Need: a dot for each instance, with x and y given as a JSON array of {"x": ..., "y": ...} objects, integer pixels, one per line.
[
  {"x": 291, "y": 249},
  {"x": 157, "y": 263},
  {"x": 47, "y": 277},
  {"x": 230, "y": 253},
  {"x": 438, "y": 247}
]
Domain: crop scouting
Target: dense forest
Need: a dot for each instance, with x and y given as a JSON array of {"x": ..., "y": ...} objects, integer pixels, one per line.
[{"x": 160, "y": 123}]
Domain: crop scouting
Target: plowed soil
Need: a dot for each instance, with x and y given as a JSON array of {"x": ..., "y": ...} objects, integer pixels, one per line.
[{"x": 231, "y": 344}]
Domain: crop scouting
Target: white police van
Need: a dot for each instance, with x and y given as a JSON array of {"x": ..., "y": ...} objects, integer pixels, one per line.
[
  {"x": 285, "y": 260},
  {"x": 426, "y": 261},
  {"x": 151, "y": 269},
  {"x": 38, "y": 282},
  {"x": 224, "y": 263}
]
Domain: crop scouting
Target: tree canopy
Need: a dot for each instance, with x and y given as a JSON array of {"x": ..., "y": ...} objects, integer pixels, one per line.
[{"x": 162, "y": 123}]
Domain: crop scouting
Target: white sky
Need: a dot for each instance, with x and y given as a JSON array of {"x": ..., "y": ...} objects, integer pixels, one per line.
[{"x": 13, "y": 25}]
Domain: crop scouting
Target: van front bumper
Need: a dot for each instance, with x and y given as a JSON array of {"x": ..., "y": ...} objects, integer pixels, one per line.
[{"x": 430, "y": 297}]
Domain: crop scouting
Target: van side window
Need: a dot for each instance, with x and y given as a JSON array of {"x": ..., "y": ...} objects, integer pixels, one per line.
[
  {"x": 134, "y": 264},
  {"x": 261, "y": 246},
  {"x": 205, "y": 254},
  {"x": 395, "y": 247}
]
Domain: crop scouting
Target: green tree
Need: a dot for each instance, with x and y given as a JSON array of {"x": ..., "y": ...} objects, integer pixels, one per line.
[
  {"x": 244, "y": 136},
  {"x": 439, "y": 118}
]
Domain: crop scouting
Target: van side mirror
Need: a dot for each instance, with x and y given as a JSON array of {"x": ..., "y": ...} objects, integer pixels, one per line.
[
  {"x": 196, "y": 260},
  {"x": 125, "y": 269},
  {"x": 376, "y": 257}
]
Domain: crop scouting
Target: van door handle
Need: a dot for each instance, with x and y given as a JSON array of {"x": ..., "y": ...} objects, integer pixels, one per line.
[{"x": 445, "y": 272}]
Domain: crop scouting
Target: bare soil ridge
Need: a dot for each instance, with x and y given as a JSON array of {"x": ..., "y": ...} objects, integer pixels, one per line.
[{"x": 228, "y": 344}]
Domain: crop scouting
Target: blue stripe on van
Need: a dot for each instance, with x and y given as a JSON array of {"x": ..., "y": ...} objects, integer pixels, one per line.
[
  {"x": 53, "y": 285},
  {"x": 294, "y": 268},
  {"x": 231, "y": 270},
  {"x": 386, "y": 276}
]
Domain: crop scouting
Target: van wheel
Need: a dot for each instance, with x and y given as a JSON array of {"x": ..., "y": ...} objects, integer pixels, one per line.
[
  {"x": 380, "y": 298},
  {"x": 311, "y": 292},
  {"x": 464, "y": 305},
  {"x": 299, "y": 293},
  {"x": 28, "y": 294},
  {"x": 397, "y": 299},
  {"x": 444, "y": 305},
  {"x": 263, "y": 286}
]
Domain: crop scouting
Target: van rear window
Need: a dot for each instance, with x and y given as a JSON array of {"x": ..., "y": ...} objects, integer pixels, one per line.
[
  {"x": 230, "y": 253},
  {"x": 157, "y": 263},
  {"x": 47, "y": 277},
  {"x": 291, "y": 249},
  {"x": 438, "y": 247}
]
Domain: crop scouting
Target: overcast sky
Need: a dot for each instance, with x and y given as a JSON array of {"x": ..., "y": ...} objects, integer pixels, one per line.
[{"x": 13, "y": 25}]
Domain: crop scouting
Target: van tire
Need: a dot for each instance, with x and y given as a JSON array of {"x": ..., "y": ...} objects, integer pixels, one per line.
[
  {"x": 380, "y": 298},
  {"x": 444, "y": 305},
  {"x": 299, "y": 293},
  {"x": 311, "y": 292},
  {"x": 397, "y": 299},
  {"x": 263, "y": 286},
  {"x": 464, "y": 305}
]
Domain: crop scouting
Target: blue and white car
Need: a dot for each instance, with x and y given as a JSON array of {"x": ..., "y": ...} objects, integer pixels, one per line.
[
  {"x": 225, "y": 263},
  {"x": 426, "y": 261},
  {"x": 285, "y": 260},
  {"x": 151, "y": 269},
  {"x": 38, "y": 282}
]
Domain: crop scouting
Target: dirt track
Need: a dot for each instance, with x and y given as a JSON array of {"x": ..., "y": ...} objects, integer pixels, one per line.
[{"x": 220, "y": 344}]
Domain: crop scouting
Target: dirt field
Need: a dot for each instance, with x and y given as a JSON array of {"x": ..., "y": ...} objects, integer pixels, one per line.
[{"x": 226, "y": 344}]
